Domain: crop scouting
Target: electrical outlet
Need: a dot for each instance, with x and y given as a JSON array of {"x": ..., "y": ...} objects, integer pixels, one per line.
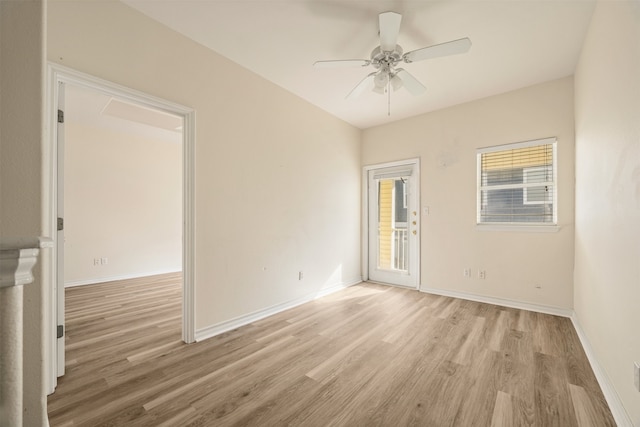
[
  {"x": 466, "y": 272},
  {"x": 482, "y": 274},
  {"x": 104, "y": 261},
  {"x": 636, "y": 375}
]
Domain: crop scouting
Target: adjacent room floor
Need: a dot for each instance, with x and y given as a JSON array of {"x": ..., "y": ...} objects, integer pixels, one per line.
[{"x": 369, "y": 355}]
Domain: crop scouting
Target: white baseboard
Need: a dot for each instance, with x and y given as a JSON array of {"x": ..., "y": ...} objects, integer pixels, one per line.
[
  {"x": 95, "y": 280},
  {"x": 539, "y": 308},
  {"x": 219, "y": 328},
  {"x": 609, "y": 391}
]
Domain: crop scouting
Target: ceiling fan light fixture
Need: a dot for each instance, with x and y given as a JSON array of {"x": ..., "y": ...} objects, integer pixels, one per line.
[
  {"x": 396, "y": 82},
  {"x": 381, "y": 80}
]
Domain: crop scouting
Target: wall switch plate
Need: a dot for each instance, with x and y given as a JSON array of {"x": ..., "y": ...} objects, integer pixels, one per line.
[
  {"x": 482, "y": 274},
  {"x": 636, "y": 375},
  {"x": 300, "y": 275}
]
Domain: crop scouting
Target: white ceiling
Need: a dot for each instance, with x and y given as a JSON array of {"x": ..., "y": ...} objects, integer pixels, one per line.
[{"x": 516, "y": 43}]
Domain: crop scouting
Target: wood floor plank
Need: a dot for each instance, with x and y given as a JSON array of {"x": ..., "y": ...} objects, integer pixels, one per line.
[
  {"x": 502, "y": 411},
  {"x": 370, "y": 355},
  {"x": 478, "y": 408},
  {"x": 586, "y": 412},
  {"x": 552, "y": 392}
]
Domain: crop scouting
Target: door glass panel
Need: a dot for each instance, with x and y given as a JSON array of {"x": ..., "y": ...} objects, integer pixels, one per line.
[{"x": 393, "y": 238}]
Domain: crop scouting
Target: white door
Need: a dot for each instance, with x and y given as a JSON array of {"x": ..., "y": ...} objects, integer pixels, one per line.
[
  {"x": 393, "y": 221},
  {"x": 59, "y": 285}
]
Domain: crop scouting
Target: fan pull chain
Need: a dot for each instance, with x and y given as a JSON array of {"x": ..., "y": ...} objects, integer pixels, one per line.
[{"x": 389, "y": 96}]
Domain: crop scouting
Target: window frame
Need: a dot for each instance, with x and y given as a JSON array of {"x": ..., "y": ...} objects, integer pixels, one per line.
[{"x": 510, "y": 225}]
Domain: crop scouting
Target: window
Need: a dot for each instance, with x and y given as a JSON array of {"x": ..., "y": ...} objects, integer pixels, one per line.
[{"x": 517, "y": 183}]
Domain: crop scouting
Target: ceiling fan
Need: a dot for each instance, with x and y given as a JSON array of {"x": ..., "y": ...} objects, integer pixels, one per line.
[{"x": 388, "y": 55}]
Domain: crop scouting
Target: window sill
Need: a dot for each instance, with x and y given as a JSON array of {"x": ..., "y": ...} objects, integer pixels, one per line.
[{"x": 519, "y": 228}]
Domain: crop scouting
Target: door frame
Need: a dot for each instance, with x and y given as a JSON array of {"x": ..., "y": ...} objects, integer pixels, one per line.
[
  {"x": 60, "y": 74},
  {"x": 415, "y": 163}
]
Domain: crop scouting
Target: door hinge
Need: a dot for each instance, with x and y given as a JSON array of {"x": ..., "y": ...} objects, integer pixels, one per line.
[
  {"x": 60, "y": 331},
  {"x": 60, "y": 224},
  {"x": 60, "y": 116}
]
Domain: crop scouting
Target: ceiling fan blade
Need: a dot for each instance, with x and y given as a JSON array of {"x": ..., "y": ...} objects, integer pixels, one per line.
[
  {"x": 389, "y": 30},
  {"x": 410, "y": 83},
  {"x": 444, "y": 49},
  {"x": 342, "y": 63},
  {"x": 361, "y": 87}
]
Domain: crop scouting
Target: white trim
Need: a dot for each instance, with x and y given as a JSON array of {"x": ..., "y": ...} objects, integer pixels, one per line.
[
  {"x": 384, "y": 172},
  {"x": 616, "y": 406},
  {"x": 49, "y": 225},
  {"x": 71, "y": 76},
  {"x": 517, "y": 227},
  {"x": 479, "y": 202},
  {"x": 517, "y": 145},
  {"x": 412, "y": 288},
  {"x": 57, "y": 73},
  {"x": 189, "y": 227},
  {"x": 556, "y": 178},
  {"x": 96, "y": 280},
  {"x": 415, "y": 160},
  {"x": 228, "y": 325},
  {"x": 364, "y": 224},
  {"x": 16, "y": 266},
  {"x": 538, "y": 308}
]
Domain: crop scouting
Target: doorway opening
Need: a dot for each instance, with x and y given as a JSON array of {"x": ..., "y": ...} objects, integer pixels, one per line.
[{"x": 126, "y": 160}]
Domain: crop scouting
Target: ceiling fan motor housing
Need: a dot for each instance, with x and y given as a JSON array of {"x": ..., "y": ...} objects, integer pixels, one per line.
[{"x": 385, "y": 60}]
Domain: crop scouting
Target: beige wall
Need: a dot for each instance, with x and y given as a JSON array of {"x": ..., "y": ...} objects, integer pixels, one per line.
[
  {"x": 446, "y": 142},
  {"x": 21, "y": 129},
  {"x": 277, "y": 180},
  {"x": 607, "y": 248},
  {"x": 123, "y": 202}
]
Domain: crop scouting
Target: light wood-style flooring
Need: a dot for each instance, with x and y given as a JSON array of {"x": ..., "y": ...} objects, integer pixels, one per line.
[{"x": 370, "y": 355}]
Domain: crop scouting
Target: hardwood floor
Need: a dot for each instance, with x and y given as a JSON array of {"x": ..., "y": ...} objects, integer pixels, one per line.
[{"x": 367, "y": 356}]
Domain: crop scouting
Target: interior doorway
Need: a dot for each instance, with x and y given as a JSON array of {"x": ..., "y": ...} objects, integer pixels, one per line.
[
  {"x": 392, "y": 220},
  {"x": 101, "y": 113}
]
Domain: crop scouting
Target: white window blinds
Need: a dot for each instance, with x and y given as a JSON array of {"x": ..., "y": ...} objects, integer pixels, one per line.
[{"x": 517, "y": 183}]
